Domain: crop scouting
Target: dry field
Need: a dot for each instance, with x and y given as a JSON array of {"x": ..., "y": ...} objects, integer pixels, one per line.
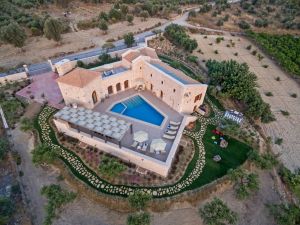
[
  {"x": 285, "y": 127},
  {"x": 207, "y": 20}
]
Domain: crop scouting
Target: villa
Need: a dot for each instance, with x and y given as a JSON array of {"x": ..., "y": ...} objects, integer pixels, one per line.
[{"x": 135, "y": 109}]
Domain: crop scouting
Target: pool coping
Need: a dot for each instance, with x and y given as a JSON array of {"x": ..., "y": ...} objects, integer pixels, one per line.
[{"x": 137, "y": 120}]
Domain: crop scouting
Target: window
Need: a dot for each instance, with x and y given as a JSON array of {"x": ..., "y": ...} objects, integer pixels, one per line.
[
  {"x": 151, "y": 75},
  {"x": 110, "y": 90},
  {"x": 94, "y": 97},
  {"x": 162, "y": 82},
  {"x": 161, "y": 94},
  {"x": 174, "y": 90},
  {"x": 151, "y": 87},
  {"x": 198, "y": 97},
  {"x": 126, "y": 84},
  {"x": 118, "y": 87}
]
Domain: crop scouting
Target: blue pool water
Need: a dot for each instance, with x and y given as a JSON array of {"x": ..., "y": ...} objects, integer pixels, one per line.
[
  {"x": 137, "y": 108},
  {"x": 170, "y": 73}
]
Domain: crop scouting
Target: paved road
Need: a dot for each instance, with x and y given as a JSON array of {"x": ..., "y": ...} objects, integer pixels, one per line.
[{"x": 39, "y": 68}]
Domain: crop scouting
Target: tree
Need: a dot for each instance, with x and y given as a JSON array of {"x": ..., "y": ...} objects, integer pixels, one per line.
[
  {"x": 6, "y": 210},
  {"x": 245, "y": 183},
  {"x": 57, "y": 197},
  {"x": 53, "y": 29},
  {"x": 43, "y": 154},
  {"x": 4, "y": 145},
  {"x": 13, "y": 34},
  {"x": 144, "y": 14},
  {"x": 217, "y": 213},
  {"x": 26, "y": 124},
  {"x": 110, "y": 167},
  {"x": 244, "y": 25},
  {"x": 285, "y": 214},
  {"x": 263, "y": 161},
  {"x": 129, "y": 39},
  {"x": 142, "y": 218},
  {"x": 103, "y": 26},
  {"x": 129, "y": 19},
  {"x": 138, "y": 200},
  {"x": 103, "y": 16}
]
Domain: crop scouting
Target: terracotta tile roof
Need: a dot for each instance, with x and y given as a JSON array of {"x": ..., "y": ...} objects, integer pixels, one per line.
[
  {"x": 143, "y": 51},
  {"x": 78, "y": 77},
  {"x": 131, "y": 56}
]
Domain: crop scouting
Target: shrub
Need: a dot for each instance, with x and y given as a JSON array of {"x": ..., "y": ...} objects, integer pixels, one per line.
[
  {"x": 219, "y": 39},
  {"x": 249, "y": 47},
  {"x": 177, "y": 35},
  {"x": 139, "y": 200},
  {"x": 277, "y": 78},
  {"x": 220, "y": 22},
  {"x": 4, "y": 146},
  {"x": 141, "y": 218},
  {"x": 294, "y": 95},
  {"x": 110, "y": 167},
  {"x": 216, "y": 52},
  {"x": 87, "y": 24},
  {"x": 269, "y": 94},
  {"x": 261, "y": 23},
  {"x": 265, "y": 66},
  {"x": 264, "y": 161},
  {"x": 129, "y": 39},
  {"x": 244, "y": 25},
  {"x": 217, "y": 212},
  {"x": 285, "y": 113},
  {"x": 192, "y": 58},
  {"x": 278, "y": 141}
]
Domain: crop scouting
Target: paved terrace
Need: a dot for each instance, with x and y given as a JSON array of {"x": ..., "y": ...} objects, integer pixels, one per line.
[{"x": 152, "y": 130}]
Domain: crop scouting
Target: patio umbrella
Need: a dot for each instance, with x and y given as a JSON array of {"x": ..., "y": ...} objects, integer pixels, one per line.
[
  {"x": 140, "y": 136},
  {"x": 158, "y": 145}
]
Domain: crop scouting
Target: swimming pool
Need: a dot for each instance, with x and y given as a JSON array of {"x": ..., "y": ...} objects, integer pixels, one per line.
[{"x": 136, "y": 107}]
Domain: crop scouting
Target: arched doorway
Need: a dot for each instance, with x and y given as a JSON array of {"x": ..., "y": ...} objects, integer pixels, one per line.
[
  {"x": 110, "y": 90},
  {"x": 126, "y": 84},
  {"x": 118, "y": 87},
  {"x": 94, "y": 97},
  {"x": 151, "y": 87},
  {"x": 161, "y": 94}
]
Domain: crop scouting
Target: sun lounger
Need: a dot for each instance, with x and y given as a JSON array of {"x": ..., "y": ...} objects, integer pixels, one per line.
[
  {"x": 172, "y": 132},
  {"x": 144, "y": 148},
  {"x": 134, "y": 144},
  {"x": 173, "y": 127},
  {"x": 174, "y": 123},
  {"x": 166, "y": 136}
]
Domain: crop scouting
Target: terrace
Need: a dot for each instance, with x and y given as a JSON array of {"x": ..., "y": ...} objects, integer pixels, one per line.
[
  {"x": 114, "y": 71},
  {"x": 153, "y": 131}
]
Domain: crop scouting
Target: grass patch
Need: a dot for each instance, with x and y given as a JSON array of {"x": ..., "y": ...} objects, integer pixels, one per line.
[{"x": 232, "y": 157}]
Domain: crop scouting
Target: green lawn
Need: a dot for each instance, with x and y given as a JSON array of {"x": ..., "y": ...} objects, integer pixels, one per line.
[{"x": 233, "y": 156}]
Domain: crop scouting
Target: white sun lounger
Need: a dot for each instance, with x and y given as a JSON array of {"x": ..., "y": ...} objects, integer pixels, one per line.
[
  {"x": 173, "y": 127},
  {"x": 174, "y": 123},
  {"x": 166, "y": 136},
  {"x": 172, "y": 132},
  {"x": 144, "y": 148},
  {"x": 134, "y": 144}
]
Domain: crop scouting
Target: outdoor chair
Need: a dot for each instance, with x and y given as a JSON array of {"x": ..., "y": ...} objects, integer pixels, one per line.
[
  {"x": 174, "y": 123},
  {"x": 166, "y": 136},
  {"x": 171, "y": 132},
  {"x": 134, "y": 144}
]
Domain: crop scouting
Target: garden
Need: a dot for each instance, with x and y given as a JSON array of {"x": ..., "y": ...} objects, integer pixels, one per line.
[{"x": 200, "y": 171}]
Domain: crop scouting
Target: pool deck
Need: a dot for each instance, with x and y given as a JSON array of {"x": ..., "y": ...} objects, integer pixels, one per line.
[{"x": 153, "y": 131}]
